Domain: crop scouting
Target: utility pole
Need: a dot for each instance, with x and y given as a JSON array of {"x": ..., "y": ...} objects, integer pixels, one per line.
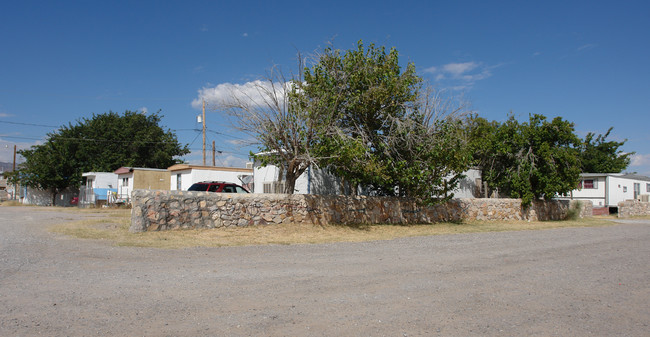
[
  {"x": 214, "y": 154},
  {"x": 203, "y": 119},
  {"x": 14, "y": 170}
]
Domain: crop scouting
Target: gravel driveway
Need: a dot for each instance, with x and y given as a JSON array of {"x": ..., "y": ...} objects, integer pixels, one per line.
[{"x": 560, "y": 282}]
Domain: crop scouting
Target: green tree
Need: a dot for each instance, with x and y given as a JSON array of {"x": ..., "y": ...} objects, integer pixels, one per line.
[
  {"x": 48, "y": 167},
  {"x": 601, "y": 156},
  {"x": 530, "y": 160},
  {"x": 108, "y": 141},
  {"x": 104, "y": 142},
  {"x": 367, "y": 90},
  {"x": 390, "y": 134}
]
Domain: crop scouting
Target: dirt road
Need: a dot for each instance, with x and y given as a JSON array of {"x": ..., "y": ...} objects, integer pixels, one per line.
[{"x": 561, "y": 282}]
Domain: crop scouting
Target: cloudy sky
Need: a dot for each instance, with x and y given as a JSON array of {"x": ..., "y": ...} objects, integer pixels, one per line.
[{"x": 586, "y": 61}]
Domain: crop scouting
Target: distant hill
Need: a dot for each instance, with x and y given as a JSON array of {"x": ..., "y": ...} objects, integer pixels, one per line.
[{"x": 6, "y": 166}]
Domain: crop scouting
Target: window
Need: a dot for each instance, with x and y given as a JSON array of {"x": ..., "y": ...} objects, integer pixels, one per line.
[
  {"x": 125, "y": 182},
  {"x": 588, "y": 184},
  {"x": 179, "y": 186},
  {"x": 624, "y": 189},
  {"x": 647, "y": 187}
]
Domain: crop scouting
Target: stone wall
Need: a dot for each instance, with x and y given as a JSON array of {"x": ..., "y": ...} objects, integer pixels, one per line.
[
  {"x": 630, "y": 208},
  {"x": 162, "y": 210}
]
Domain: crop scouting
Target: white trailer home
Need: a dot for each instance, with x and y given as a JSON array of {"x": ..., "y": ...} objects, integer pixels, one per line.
[{"x": 608, "y": 189}]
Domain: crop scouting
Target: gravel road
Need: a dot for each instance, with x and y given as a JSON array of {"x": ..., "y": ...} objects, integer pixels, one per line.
[{"x": 560, "y": 282}]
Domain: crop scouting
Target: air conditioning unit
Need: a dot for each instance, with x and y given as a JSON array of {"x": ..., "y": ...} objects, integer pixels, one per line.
[
  {"x": 274, "y": 187},
  {"x": 644, "y": 197}
]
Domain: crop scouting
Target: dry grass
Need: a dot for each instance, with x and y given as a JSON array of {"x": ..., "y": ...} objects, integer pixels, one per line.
[
  {"x": 11, "y": 203},
  {"x": 113, "y": 226}
]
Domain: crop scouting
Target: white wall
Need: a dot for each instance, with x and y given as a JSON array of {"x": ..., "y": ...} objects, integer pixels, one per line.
[
  {"x": 33, "y": 196},
  {"x": 186, "y": 180},
  {"x": 621, "y": 189},
  {"x": 467, "y": 187},
  {"x": 102, "y": 179},
  {"x": 595, "y": 195},
  {"x": 124, "y": 191},
  {"x": 312, "y": 181},
  {"x": 261, "y": 175}
]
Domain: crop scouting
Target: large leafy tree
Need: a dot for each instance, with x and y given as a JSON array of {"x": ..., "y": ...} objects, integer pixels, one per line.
[
  {"x": 529, "y": 160},
  {"x": 104, "y": 142},
  {"x": 600, "y": 156},
  {"x": 390, "y": 133},
  {"x": 368, "y": 91},
  {"x": 108, "y": 141}
]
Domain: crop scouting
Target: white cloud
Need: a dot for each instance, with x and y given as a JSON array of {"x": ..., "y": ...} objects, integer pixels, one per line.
[
  {"x": 144, "y": 110},
  {"x": 253, "y": 93},
  {"x": 640, "y": 163},
  {"x": 232, "y": 161},
  {"x": 462, "y": 75},
  {"x": 2, "y": 114},
  {"x": 640, "y": 160},
  {"x": 586, "y": 47},
  {"x": 245, "y": 35},
  {"x": 458, "y": 69}
]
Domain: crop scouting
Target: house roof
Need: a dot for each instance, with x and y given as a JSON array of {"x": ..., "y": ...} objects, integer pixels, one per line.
[
  {"x": 635, "y": 177},
  {"x": 630, "y": 176},
  {"x": 125, "y": 169},
  {"x": 179, "y": 167},
  {"x": 93, "y": 174}
]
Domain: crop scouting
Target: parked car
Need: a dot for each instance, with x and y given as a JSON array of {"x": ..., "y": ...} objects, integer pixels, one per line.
[{"x": 217, "y": 186}]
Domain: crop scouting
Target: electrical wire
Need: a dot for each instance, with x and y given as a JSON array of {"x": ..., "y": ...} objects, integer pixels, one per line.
[{"x": 29, "y": 124}]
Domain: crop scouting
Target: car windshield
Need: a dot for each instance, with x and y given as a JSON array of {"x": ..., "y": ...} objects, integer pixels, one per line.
[{"x": 198, "y": 187}]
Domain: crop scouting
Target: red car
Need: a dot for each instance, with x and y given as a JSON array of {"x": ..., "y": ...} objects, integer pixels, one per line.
[{"x": 217, "y": 186}]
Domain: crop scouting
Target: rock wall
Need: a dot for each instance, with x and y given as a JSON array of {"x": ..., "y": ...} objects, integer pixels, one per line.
[
  {"x": 162, "y": 210},
  {"x": 630, "y": 208}
]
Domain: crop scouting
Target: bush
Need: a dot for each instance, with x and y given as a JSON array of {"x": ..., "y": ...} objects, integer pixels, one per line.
[{"x": 573, "y": 213}]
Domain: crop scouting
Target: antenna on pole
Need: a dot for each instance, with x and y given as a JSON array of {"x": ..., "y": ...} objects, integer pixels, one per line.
[{"x": 203, "y": 120}]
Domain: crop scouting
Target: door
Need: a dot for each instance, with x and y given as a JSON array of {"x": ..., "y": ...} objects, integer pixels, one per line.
[{"x": 637, "y": 190}]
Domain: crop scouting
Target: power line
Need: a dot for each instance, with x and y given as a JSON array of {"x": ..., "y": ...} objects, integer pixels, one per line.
[
  {"x": 29, "y": 124},
  {"x": 90, "y": 140},
  {"x": 16, "y": 137}
]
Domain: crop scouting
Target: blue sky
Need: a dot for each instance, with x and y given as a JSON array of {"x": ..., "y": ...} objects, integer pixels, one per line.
[{"x": 586, "y": 61}]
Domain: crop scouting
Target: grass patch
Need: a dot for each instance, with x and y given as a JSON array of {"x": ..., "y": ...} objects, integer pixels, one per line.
[
  {"x": 114, "y": 225},
  {"x": 11, "y": 203}
]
